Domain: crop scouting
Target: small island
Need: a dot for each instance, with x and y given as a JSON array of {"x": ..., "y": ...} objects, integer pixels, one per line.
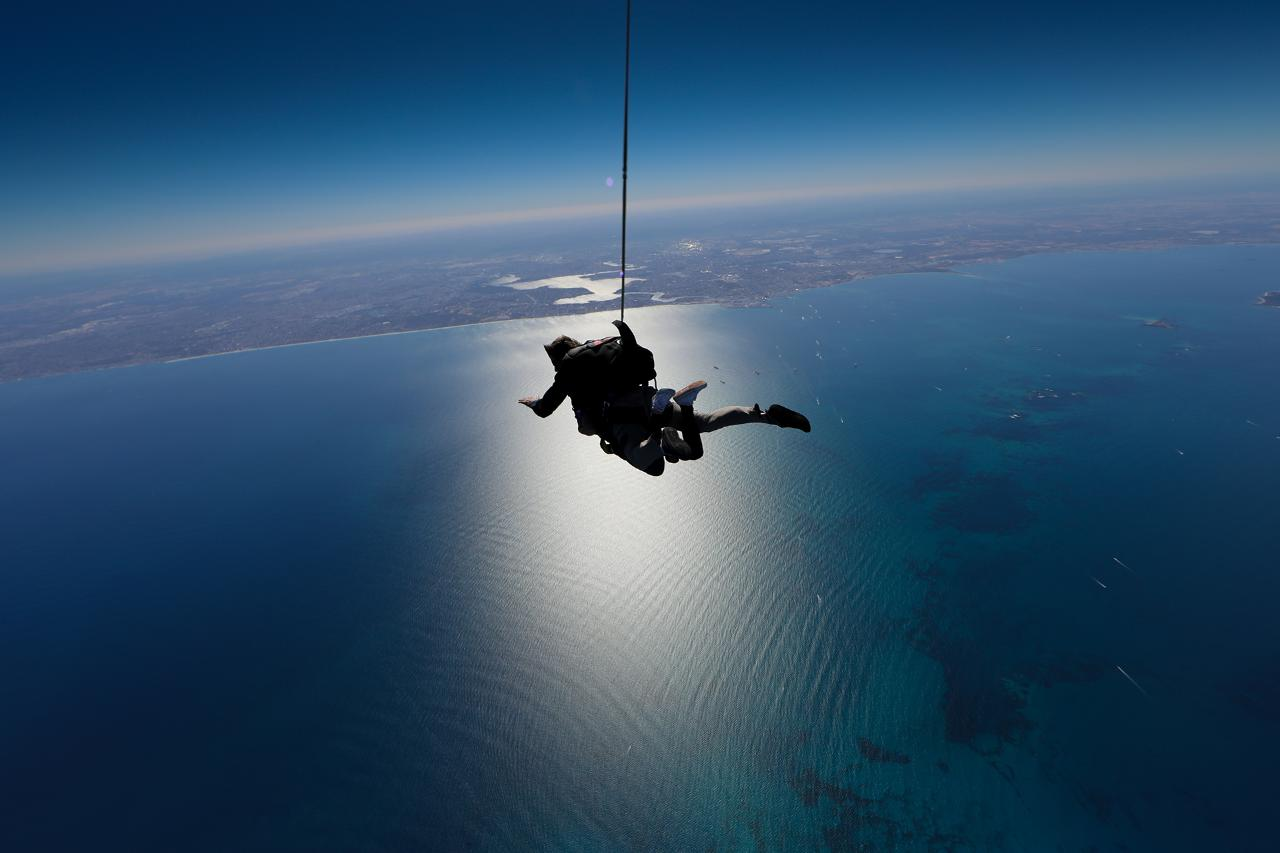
[
  {"x": 1271, "y": 299},
  {"x": 1159, "y": 323}
]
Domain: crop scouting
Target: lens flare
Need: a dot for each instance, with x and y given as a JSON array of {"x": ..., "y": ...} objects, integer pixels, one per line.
[{"x": 608, "y": 182}]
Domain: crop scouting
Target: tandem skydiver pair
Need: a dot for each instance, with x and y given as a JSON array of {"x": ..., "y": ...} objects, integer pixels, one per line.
[{"x": 606, "y": 382}]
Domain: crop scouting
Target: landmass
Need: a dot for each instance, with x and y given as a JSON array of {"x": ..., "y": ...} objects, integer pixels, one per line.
[
  {"x": 1160, "y": 323},
  {"x": 1271, "y": 299},
  {"x": 52, "y": 324}
]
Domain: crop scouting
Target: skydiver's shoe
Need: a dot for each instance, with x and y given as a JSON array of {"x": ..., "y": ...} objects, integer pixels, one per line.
[
  {"x": 661, "y": 398},
  {"x": 686, "y": 395},
  {"x": 786, "y": 418}
]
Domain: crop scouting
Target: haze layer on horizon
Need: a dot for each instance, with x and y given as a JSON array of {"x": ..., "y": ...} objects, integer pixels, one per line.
[{"x": 154, "y": 131}]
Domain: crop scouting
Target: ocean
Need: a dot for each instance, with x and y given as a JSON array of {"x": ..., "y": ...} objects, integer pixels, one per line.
[{"x": 1015, "y": 591}]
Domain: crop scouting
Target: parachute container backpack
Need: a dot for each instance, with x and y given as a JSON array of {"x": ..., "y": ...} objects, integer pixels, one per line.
[{"x": 607, "y": 363}]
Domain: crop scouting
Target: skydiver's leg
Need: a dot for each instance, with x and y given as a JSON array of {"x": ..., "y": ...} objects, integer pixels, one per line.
[
  {"x": 728, "y": 416},
  {"x": 686, "y": 420},
  {"x": 777, "y": 415},
  {"x": 687, "y": 443},
  {"x": 636, "y": 444}
]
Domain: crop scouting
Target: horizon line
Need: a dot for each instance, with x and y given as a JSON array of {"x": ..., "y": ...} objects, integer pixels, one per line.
[{"x": 195, "y": 250}]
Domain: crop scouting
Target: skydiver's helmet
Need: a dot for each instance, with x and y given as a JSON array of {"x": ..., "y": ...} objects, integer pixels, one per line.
[{"x": 557, "y": 349}]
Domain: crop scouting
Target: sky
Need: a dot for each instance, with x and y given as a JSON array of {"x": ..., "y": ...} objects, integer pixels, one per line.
[{"x": 134, "y": 130}]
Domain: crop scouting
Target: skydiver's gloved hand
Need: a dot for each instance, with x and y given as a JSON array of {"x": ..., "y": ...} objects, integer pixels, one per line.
[{"x": 628, "y": 337}]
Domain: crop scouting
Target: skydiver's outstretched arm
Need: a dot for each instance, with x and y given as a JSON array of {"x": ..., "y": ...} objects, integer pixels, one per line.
[{"x": 548, "y": 402}]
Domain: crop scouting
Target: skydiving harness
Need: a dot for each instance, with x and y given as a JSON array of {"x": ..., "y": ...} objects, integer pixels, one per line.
[{"x": 629, "y": 407}]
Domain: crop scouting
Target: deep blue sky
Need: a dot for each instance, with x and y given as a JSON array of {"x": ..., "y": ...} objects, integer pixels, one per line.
[{"x": 132, "y": 130}]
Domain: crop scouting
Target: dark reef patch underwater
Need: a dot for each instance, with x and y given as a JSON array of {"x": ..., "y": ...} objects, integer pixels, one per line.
[{"x": 1015, "y": 591}]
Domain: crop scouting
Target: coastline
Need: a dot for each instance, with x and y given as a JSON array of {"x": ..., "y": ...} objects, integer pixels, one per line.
[{"x": 601, "y": 308}]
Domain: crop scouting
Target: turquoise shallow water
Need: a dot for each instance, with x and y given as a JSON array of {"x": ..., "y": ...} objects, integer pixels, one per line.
[{"x": 350, "y": 595}]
